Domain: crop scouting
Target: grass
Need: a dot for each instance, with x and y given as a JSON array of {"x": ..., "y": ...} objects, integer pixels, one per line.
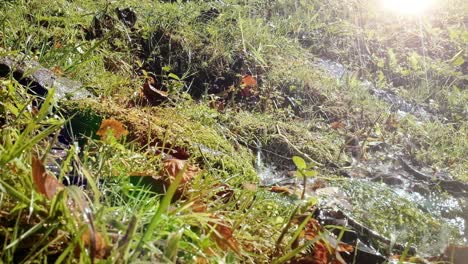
[{"x": 193, "y": 53}]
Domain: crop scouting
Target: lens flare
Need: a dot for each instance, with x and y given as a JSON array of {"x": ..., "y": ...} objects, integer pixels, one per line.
[{"x": 407, "y": 7}]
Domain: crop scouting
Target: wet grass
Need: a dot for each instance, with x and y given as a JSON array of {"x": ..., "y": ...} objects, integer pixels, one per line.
[{"x": 194, "y": 52}]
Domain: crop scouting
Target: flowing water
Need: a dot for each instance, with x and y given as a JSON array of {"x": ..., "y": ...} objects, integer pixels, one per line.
[{"x": 393, "y": 179}]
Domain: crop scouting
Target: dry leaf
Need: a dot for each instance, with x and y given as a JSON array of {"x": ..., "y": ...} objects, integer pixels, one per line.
[
  {"x": 280, "y": 189},
  {"x": 117, "y": 128},
  {"x": 337, "y": 125},
  {"x": 45, "y": 183},
  {"x": 154, "y": 95},
  {"x": 96, "y": 244},
  {"x": 250, "y": 187},
  {"x": 249, "y": 81},
  {"x": 199, "y": 207},
  {"x": 247, "y": 84},
  {"x": 224, "y": 236},
  {"x": 343, "y": 247},
  {"x": 57, "y": 70},
  {"x": 318, "y": 184},
  {"x": 173, "y": 166}
]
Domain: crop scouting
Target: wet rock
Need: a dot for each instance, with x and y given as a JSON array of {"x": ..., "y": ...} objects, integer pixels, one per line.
[
  {"x": 456, "y": 254},
  {"x": 208, "y": 15},
  {"x": 40, "y": 80},
  {"x": 358, "y": 172},
  {"x": 421, "y": 189},
  {"x": 388, "y": 179},
  {"x": 363, "y": 252},
  {"x": 99, "y": 26},
  {"x": 352, "y": 146},
  {"x": 127, "y": 16}
]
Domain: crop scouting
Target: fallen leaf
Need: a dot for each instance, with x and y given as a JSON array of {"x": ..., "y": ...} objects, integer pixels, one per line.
[
  {"x": 57, "y": 70},
  {"x": 224, "y": 236},
  {"x": 343, "y": 247},
  {"x": 337, "y": 125},
  {"x": 248, "y": 80},
  {"x": 199, "y": 207},
  {"x": 247, "y": 84},
  {"x": 96, "y": 244},
  {"x": 173, "y": 166},
  {"x": 150, "y": 91},
  {"x": 118, "y": 130},
  {"x": 250, "y": 187},
  {"x": 280, "y": 189},
  {"x": 318, "y": 184},
  {"x": 45, "y": 183}
]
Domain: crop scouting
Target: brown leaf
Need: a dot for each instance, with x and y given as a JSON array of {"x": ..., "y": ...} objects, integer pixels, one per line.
[
  {"x": 96, "y": 244},
  {"x": 250, "y": 187},
  {"x": 280, "y": 189},
  {"x": 318, "y": 184},
  {"x": 343, "y": 247},
  {"x": 45, "y": 183},
  {"x": 173, "y": 166},
  {"x": 150, "y": 91},
  {"x": 117, "y": 128},
  {"x": 247, "y": 84},
  {"x": 199, "y": 207},
  {"x": 57, "y": 70},
  {"x": 224, "y": 236},
  {"x": 337, "y": 125},
  {"x": 249, "y": 81}
]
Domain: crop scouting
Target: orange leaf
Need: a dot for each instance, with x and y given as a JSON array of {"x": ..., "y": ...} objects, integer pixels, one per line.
[
  {"x": 343, "y": 247},
  {"x": 96, "y": 243},
  {"x": 247, "y": 84},
  {"x": 117, "y": 128},
  {"x": 280, "y": 189},
  {"x": 248, "y": 81},
  {"x": 337, "y": 125},
  {"x": 224, "y": 236},
  {"x": 173, "y": 166},
  {"x": 45, "y": 183}
]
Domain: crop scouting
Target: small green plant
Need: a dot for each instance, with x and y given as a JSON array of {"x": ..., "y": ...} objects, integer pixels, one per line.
[{"x": 305, "y": 171}]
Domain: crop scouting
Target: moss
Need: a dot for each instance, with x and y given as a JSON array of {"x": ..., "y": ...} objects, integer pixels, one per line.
[
  {"x": 171, "y": 127},
  {"x": 394, "y": 215},
  {"x": 309, "y": 136}
]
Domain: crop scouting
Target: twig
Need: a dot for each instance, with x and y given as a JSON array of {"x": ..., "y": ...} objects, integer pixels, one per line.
[{"x": 296, "y": 148}]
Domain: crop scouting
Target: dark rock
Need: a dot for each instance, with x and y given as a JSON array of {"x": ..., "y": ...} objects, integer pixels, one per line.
[
  {"x": 364, "y": 255},
  {"x": 421, "y": 189},
  {"x": 388, "y": 179},
  {"x": 127, "y": 16},
  {"x": 208, "y": 15},
  {"x": 99, "y": 26}
]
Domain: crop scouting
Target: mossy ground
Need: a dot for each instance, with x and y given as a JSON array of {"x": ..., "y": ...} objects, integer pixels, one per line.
[{"x": 198, "y": 51}]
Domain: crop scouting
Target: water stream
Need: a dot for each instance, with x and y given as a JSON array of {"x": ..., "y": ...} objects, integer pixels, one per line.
[{"x": 384, "y": 175}]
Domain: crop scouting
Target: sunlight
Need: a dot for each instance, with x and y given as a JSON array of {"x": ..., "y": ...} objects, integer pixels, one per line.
[{"x": 408, "y": 7}]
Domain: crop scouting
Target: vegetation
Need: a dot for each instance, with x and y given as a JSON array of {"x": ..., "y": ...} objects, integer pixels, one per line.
[{"x": 162, "y": 164}]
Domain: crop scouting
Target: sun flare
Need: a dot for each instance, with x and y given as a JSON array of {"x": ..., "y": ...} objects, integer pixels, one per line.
[{"x": 407, "y": 7}]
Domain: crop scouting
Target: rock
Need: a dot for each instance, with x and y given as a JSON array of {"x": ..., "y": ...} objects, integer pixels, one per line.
[
  {"x": 388, "y": 179},
  {"x": 40, "y": 80},
  {"x": 456, "y": 254},
  {"x": 127, "y": 16},
  {"x": 421, "y": 189}
]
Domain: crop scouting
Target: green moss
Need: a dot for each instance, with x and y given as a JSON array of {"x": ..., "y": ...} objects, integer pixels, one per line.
[
  {"x": 392, "y": 215},
  {"x": 171, "y": 126}
]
